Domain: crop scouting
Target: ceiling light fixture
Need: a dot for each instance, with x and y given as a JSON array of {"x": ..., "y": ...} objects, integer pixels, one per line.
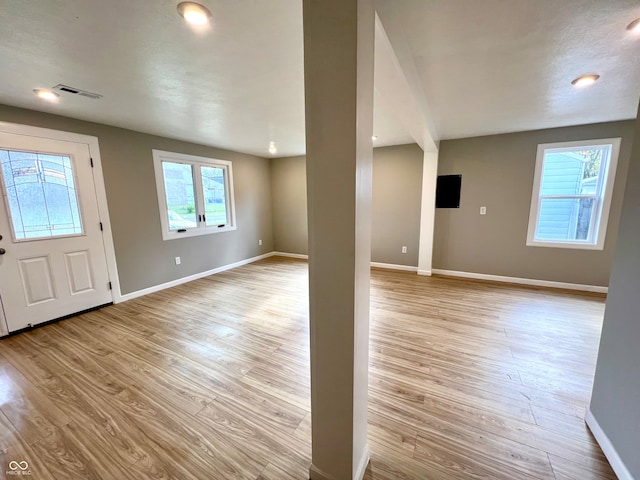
[
  {"x": 272, "y": 148},
  {"x": 194, "y": 13},
  {"x": 585, "y": 80},
  {"x": 46, "y": 94},
  {"x": 634, "y": 26}
]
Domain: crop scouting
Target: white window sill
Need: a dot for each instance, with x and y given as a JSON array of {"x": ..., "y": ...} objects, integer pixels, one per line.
[
  {"x": 567, "y": 244},
  {"x": 196, "y": 232}
]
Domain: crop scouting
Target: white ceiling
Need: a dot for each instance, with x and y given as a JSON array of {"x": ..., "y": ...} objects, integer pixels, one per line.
[
  {"x": 477, "y": 67},
  {"x": 496, "y": 66}
]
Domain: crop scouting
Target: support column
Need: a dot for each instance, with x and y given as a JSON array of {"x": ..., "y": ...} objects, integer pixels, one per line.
[
  {"x": 427, "y": 212},
  {"x": 338, "y": 67}
]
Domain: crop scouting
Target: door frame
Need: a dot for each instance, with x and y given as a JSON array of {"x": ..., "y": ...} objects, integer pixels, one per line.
[
  {"x": 98, "y": 180},
  {"x": 4, "y": 330}
]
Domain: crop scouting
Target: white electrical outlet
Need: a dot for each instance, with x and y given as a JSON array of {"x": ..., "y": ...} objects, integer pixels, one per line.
[
  {"x": 178, "y": 260},
  {"x": 259, "y": 242},
  {"x": 404, "y": 249},
  {"x": 483, "y": 210}
]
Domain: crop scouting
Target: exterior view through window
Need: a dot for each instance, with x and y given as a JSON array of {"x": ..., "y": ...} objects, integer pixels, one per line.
[
  {"x": 41, "y": 195},
  {"x": 195, "y": 194},
  {"x": 180, "y": 195},
  {"x": 572, "y": 193}
]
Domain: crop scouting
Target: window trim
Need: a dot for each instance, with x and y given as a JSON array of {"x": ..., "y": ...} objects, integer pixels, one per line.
[
  {"x": 601, "y": 214},
  {"x": 160, "y": 156}
]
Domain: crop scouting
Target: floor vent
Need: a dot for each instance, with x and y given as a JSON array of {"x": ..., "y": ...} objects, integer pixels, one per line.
[{"x": 77, "y": 91}]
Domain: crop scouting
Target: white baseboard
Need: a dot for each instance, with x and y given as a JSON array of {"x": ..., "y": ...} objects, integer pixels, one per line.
[
  {"x": 118, "y": 298},
  {"x": 290, "y": 255},
  {"x": 316, "y": 474},
  {"x": 190, "y": 278},
  {"x": 607, "y": 448},
  {"x": 388, "y": 266},
  {"x": 362, "y": 466},
  {"x": 393, "y": 266},
  {"x": 522, "y": 281}
]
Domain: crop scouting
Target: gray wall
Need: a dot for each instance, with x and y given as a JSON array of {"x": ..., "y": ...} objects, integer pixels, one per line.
[
  {"x": 143, "y": 258},
  {"x": 397, "y": 190},
  {"x": 615, "y": 402},
  {"x": 497, "y": 172},
  {"x": 397, "y": 195},
  {"x": 289, "y": 204}
]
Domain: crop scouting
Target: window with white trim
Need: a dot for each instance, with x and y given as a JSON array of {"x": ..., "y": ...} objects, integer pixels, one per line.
[
  {"x": 572, "y": 191},
  {"x": 195, "y": 194}
]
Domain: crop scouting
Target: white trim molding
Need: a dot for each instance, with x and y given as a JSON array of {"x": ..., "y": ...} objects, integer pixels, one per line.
[
  {"x": 602, "y": 195},
  {"x": 522, "y": 281},
  {"x": 196, "y": 164},
  {"x": 290, "y": 255},
  {"x": 358, "y": 474},
  {"x": 386, "y": 266},
  {"x": 393, "y": 266},
  {"x": 190, "y": 278},
  {"x": 118, "y": 298},
  {"x": 607, "y": 447},
  {"x": 4, "y": 328}
]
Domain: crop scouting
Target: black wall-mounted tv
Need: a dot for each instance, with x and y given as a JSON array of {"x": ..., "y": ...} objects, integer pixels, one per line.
[{"x": 448, "y": 191}]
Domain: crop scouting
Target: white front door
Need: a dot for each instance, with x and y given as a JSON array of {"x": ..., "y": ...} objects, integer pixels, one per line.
[{"x": 52, "y": 252}]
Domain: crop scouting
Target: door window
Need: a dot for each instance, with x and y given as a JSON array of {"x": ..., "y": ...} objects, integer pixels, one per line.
[{"x": 41, "y": 195}]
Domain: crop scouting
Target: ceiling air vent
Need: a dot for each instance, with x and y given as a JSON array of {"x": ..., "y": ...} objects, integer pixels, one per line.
[{"x": 77, "y": 91}]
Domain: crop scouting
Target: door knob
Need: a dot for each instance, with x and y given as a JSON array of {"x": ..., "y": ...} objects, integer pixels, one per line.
[{"x": 2, "y": 251}]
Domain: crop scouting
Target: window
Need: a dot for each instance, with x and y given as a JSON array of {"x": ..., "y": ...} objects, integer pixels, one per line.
[
  {"x": 195, "y": 195},
  {"x": 572, "y": 191},
  {"x": 41, "y": 195}
]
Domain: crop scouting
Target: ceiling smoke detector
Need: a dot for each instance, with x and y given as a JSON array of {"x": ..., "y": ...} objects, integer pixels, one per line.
[{"x": 76, "y": 91}]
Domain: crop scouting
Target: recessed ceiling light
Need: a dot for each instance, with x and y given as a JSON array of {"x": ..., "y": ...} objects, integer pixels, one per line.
[
  {"x": 46, "y": 94},
  {"x": 634, "y": 26},
  {"x": 585, "y": 80},
  {"x": 272, "y": 148},
  {"x": 194, "y": 13},
  {"x": 374, "y": 137}
]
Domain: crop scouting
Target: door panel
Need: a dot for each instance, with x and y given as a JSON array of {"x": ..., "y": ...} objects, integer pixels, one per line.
[
  {"x": 36, "y": 280},
  {"x": 79, "y": 272},
  {"x": 54, "y": 262}
]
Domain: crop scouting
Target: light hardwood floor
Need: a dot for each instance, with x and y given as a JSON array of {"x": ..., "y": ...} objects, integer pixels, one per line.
[{"x": 210, "y": 380}]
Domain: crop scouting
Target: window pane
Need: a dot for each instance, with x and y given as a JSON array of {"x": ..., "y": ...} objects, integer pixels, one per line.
[
  {"x": 564, "y": 219},
  {"x": 41, "y": 195},
  {"x": 593, "y": 160},
  {"x": 181, "y": 205},
  {"x": 572, "y": 171},
  {"x": 561, "y": 174},
  {"x": 215, "y": 198}
]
